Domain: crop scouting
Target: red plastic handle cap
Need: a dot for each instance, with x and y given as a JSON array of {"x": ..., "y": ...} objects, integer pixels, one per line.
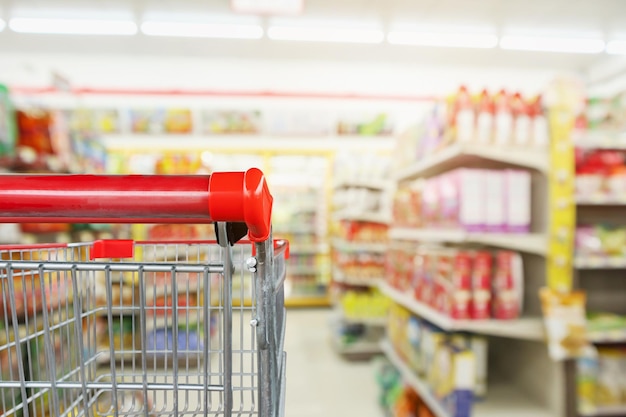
[
  {"x": 112, "y": 248},
  {"x": 237, "y": 196}
]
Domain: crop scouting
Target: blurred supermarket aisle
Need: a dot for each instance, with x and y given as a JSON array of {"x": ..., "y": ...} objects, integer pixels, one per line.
[{"x": 319, "y": 382}]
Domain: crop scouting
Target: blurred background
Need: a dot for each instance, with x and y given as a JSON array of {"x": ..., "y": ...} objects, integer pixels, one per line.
[{"x": 451, "y": 177}]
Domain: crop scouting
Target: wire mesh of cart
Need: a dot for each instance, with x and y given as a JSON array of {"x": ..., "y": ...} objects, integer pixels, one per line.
[{"x": 122, "y": 328}]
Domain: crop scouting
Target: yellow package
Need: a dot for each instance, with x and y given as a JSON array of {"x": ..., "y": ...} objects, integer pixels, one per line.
[{"x": 565, "y": 321}]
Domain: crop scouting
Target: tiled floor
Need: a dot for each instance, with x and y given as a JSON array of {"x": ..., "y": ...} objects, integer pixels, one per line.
[{"x": 319, "y": 382}]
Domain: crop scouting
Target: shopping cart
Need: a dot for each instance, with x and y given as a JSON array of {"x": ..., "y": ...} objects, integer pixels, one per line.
[{"x": 122, "y": 328}]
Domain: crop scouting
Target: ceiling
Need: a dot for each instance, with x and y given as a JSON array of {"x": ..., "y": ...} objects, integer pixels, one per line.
[{"x": 602, "y": 18}]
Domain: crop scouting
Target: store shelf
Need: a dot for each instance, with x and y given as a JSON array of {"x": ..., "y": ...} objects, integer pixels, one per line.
[
  {"x": 599, "y": 262},
  {"x": 600, "y": 200},
  {"x": 607, "y": 337},
  {"x": 341, "y": 278},
  {"x": 383, "y": 218},
  {"x": 523, "y": 328},
  {"x": 413, "y": 380},
  {"x": 303, "y": 302},
  {"x": 350, "y": 246},
  {"x": 461, "y": 155},
  {"x": 534, "y": 243},
  {"x": 501, "y": 400},
  {"x": 362, "y": 183},
  {"x": 608, "y": 411},
  {"x": 176, "y": 142}
]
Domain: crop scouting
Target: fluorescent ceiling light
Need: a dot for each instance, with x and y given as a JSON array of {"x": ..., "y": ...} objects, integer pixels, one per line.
[
  {"x": 202, "y": 30},
  {"x": 73, "y": 26},
  {"x": 325, "y": 34},
  {"x": 448, "y": 40},
  {"x": 616, "y": 47},
  {"x": 550, "y": 44},
  {"x": 267, "y": 7}
]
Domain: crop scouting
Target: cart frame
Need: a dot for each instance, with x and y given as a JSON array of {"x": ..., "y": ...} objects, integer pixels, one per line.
[{"x": 239, "y": 203}]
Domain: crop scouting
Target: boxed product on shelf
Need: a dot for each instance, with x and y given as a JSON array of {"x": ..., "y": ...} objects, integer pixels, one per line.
[
  {"x": 219, "y": 122},
  {"x": 363, "y": 266},
  {"x": 601, "y": 241},
  {"x": 462, "y": 284},
  {"x": 158, "y": 121},
  {"x": 363, "y": 232},
  {"x": 474, "y": 200},
  {"x": 601, "y": 380},
  {"x": 364, "y": 305},
  {"x": 378, "y": 125},
  {"x": 606, "y": 326},
  {"x": 407, "y": 205},
  {"x": 565, "y": 322},
  {"x": 508, "y": 285},
  {"x": 601, "y": 174},
  {"x": 452, "y": 365},
  {"x": 399, "y": 266}
]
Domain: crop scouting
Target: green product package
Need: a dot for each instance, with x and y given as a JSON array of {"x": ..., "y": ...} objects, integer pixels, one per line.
[{"x": 8, "y": 132}]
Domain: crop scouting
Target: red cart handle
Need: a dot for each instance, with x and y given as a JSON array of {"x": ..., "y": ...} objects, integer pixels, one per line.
[{"x": 222, "y": 196}]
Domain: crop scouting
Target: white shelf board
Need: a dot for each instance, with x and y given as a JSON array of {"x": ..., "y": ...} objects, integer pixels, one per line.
[
  {"x": 350, "y": 246},
  {"x": 372, "y": 184},
  {"x": 617, "y": 410},
  {"x": 460, "y": 155},
  {"x": 383, "y": 218},
  {"x": 302, "y": 270},
  {"x": 502, "y": 400},
  {"x": 535, "y": 243},
  {"x": 523, "y": 328},
  {"x": 617, "y": 336},
  {"x": 599, "y": 262},
  {"x": 600, "y": 200},
  {"x": 413, "y": 380},
  {"x": 161, "y": 142}
]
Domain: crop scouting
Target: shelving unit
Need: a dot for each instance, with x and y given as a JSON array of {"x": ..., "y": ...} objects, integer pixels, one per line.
[
  {"x": 523, "y": 328},
  {"x": 473, "y": 154},
  {"x": 515, "y": 345},
  {"x": 616, "y": 411},
  {"x": 535, "y": 243},
  {"x": 502, "y": 401}
]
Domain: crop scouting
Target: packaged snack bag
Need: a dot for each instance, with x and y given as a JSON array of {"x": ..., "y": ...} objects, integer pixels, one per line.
[{"x": 564, "y": 317}]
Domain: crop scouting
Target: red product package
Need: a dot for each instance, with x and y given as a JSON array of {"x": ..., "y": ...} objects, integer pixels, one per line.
[
  {"x": 428, "y": 280},
  {"x": 508, "y": 284},
  {"x": 443, "y": 282},
  {"x": 481, "y": 286},
  {"x": 461, "y": 286}
]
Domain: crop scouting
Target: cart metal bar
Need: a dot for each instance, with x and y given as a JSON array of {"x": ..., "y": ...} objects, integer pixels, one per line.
[
  {"x": 121, "y": 267},
  {"x": 227, "y": 317},
  {"x": 223, "y": 196},
  {"x": 107, "y": 385}
]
